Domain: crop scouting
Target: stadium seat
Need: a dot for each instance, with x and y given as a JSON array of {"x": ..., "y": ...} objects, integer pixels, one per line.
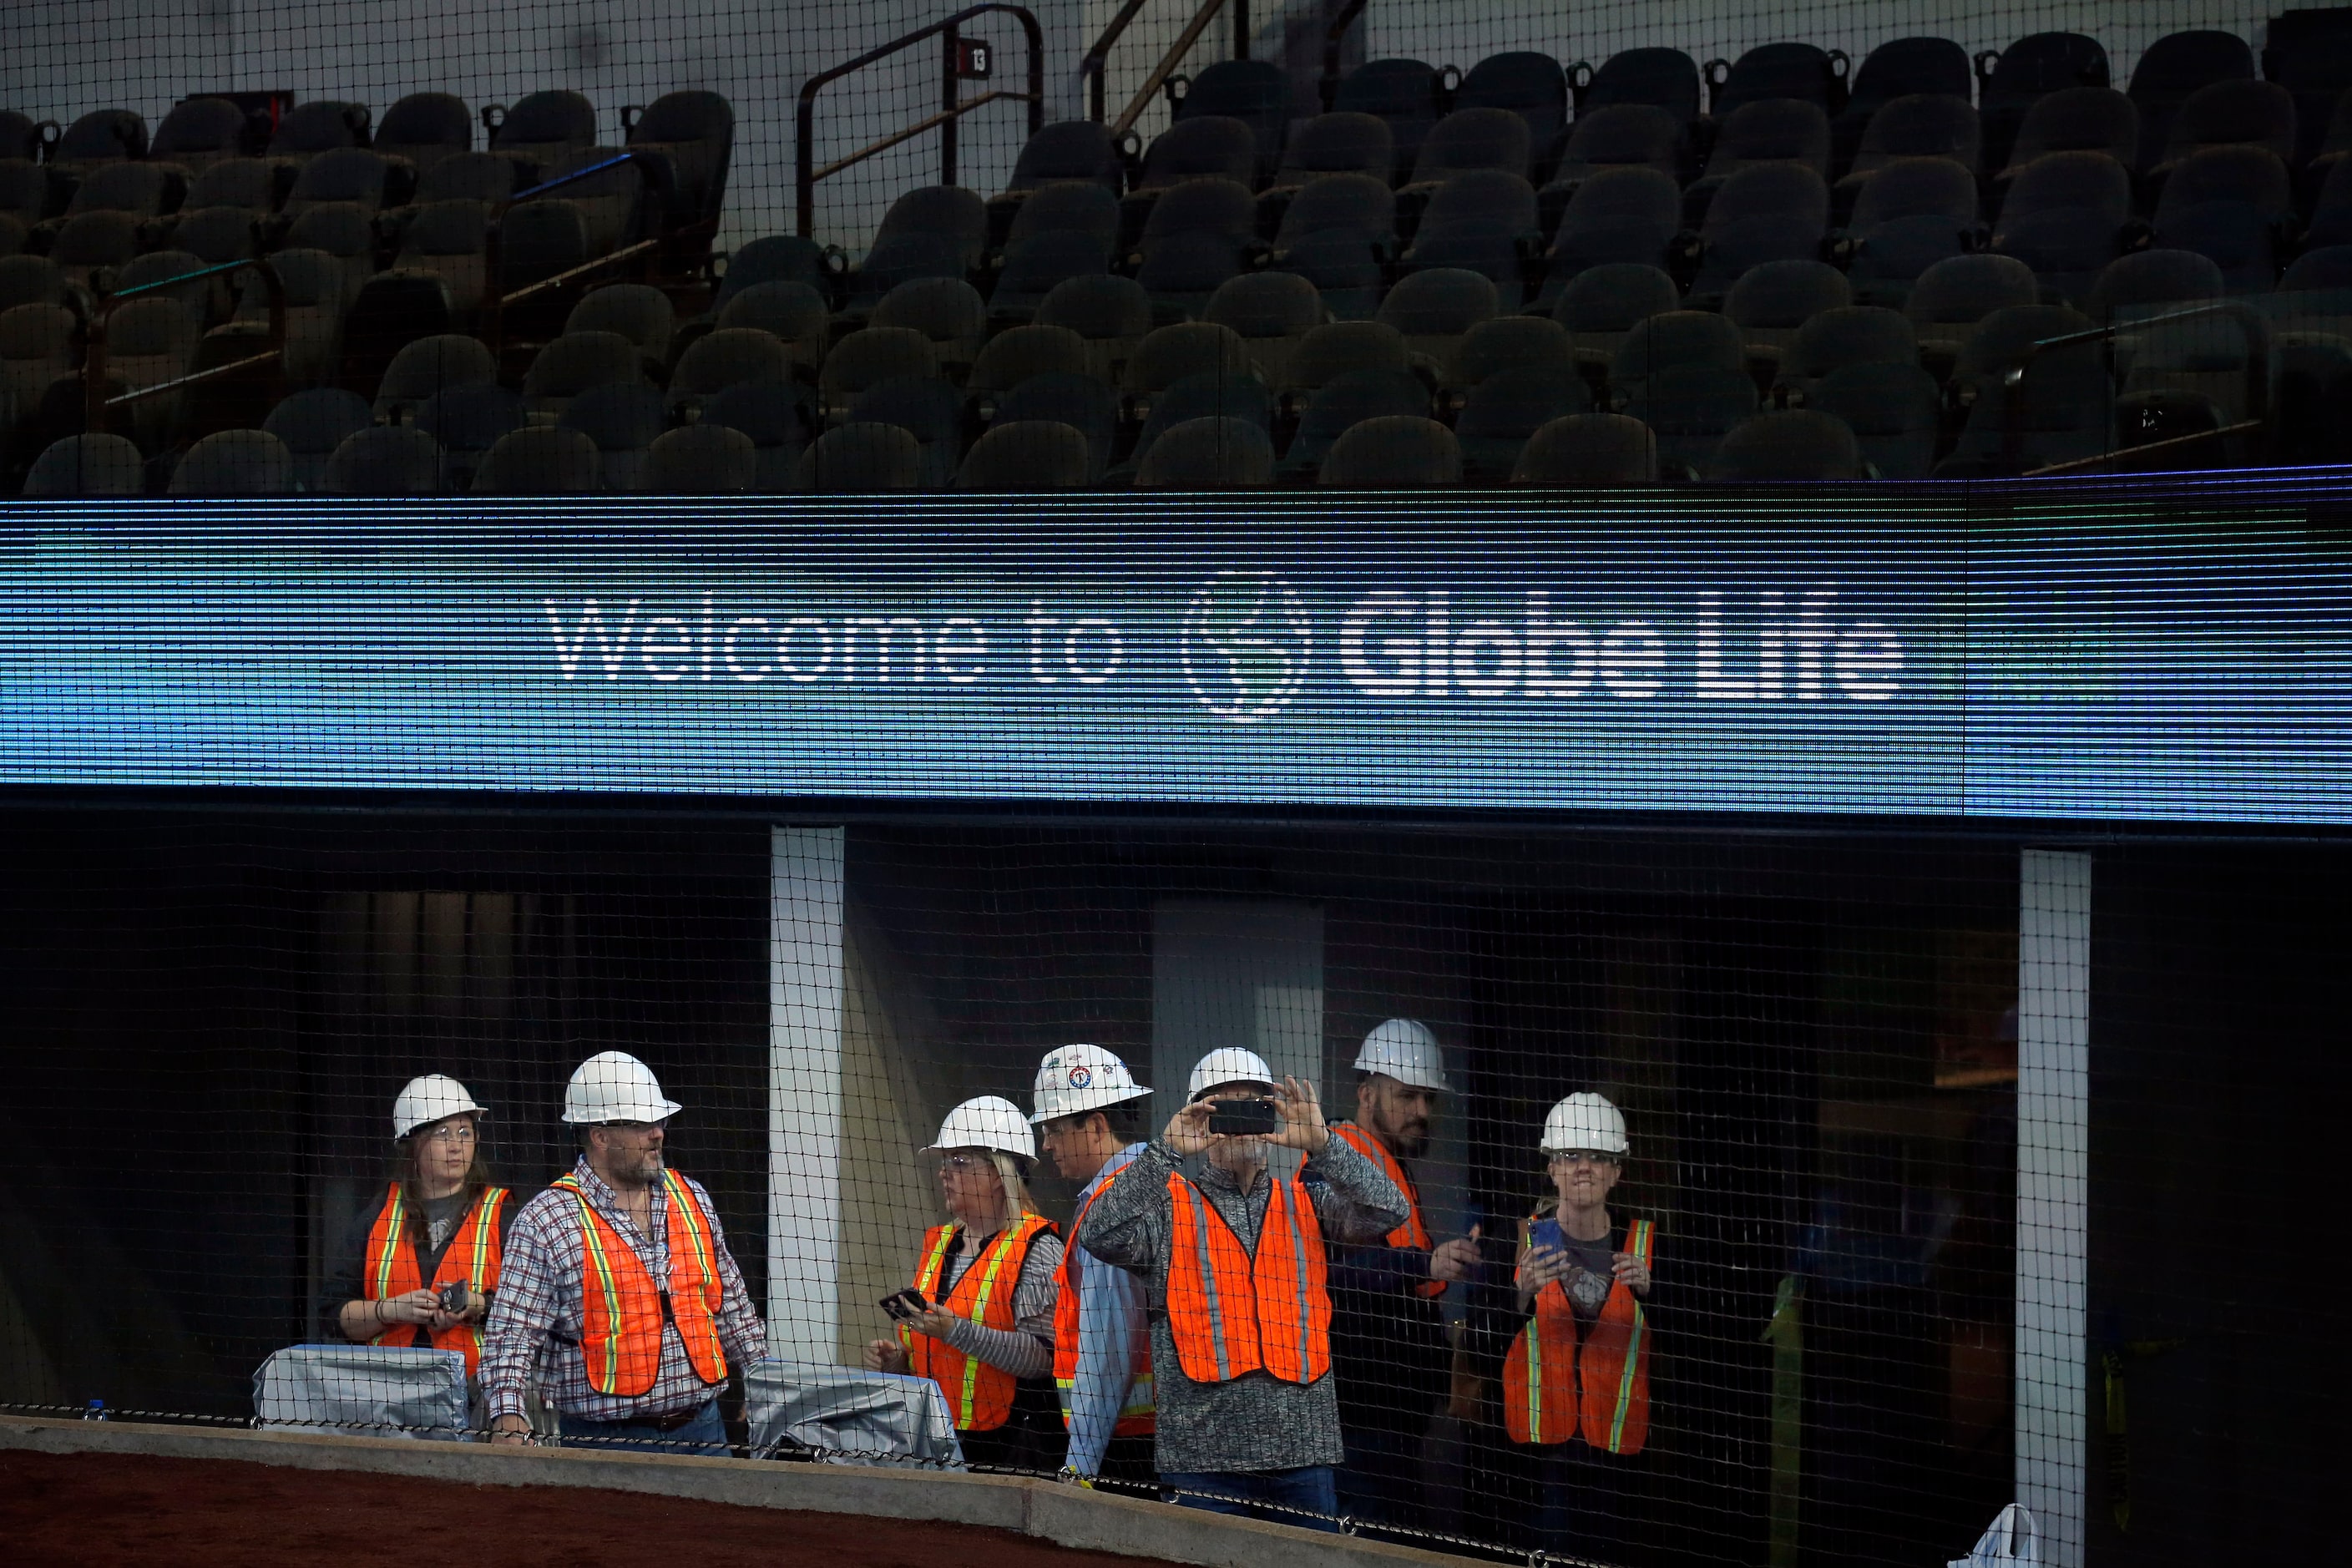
[
  {"x": 322, "y": 125},
  {"x": 467, "y": 422},
  {"x": 624, "y": 419},
  {"x": 2060, "y": 403},
  {"x": 1340, "y": 142},
  {"x": 2328, "y": 266},
  {"x": 1199, "y": 234},
  {"x": 30, "y": 281},
  {"x": 1470, "y": 138},
  {"x": 638, "y": 311},
  {"x": 1531, "y": 86},
  {"x": 1953, "y": 295},
  {"x": 1508, "y": 343},
  {"x": 1271, "y": 312},
  {"x": 234, "y": 463},
  {"x": 1625, "y": 136},
  {"x": 101, "y": 137},
  {"x": 1506, "y": 408},
  {"x": 1339, "y": 234},
  {"x": 36, "y": 347},
  {"x": 2310, "y": 55},
  {"x": 2148, "y": 278},
  {"x": 1059, "y": 233},
  {"x": 2311, "y": 401},
  {"x": 2171, "y": 70},
  {"x": 25, "y": 193},
  {"x": 865, "y": 359},
  {"x": 1026, "y": 455},
  {"x": 1338, "y": 407},
  {"x": 778, "y": 420},
  {"x": 1434, "y": 310},
  {"x": 310, "y": 424},
  {"x": 703, "y": 460},
  {"x": 927, "y": 408},
  {"x": 1771, "y": 212},
  {"x": 427, "y": 365},
  {"x": 2200, "y": 370},
  {"x": 482, "y": 177},
  {"x": 1893, "y": 411},
  {"x": 394, "y": 310},
  {"x": 1783, "y": 444},
  {"x": 197, "y": 133},
  {"x": 947, "y": 311},
  {"x": 1660, "y": 78},
  {"x": 1208, "y": 454},
  {"x": 733, "y": 356},
  {"x": 1341, "y": 348},
  {"x": 248, "y": 184},
  {"x": 447, "y": 242},
  {"x": 1483, "y": 221},
  {"x": 2331, "y": 211},
  {"x": 1690, "y": 409},
  {"x": 1255, "y": 92},
  {"x": 1199, "y": 147},
  {"x": 1619, "y": 216},
  {"x": 341, "y": 231},
  {"x": 539, "y": 460},
  {"x": 932, "y": 231},
  {"x": 2074, "y": 120},
  {"x": 1113, "y": 315},
  {"x": 1769, "y": 131},
  {"x": 206, "y": 297},
  {"x": 2233, "y": 205},
  {"x": 688, "y": 139},
  {"x": 2012, "y": 81},
  {"x": 1903, "y": 68},
  {"x": 351, "y": 174},
  {"x": 1185, "y": 348},
  {"x": 1233, "y": 398},
  {"x": 1925, "y": 125},
  {"x": 385, "y": 460},
  {"x": 774, "y": 258},
  {"x": 860, "y": 459},
  {"x": 1068, "y": 150},
  {"x": 2230, "y": 114},
  {"x": 791, "y": 313},
  {"x": 613, "y": 202},
  {"x": 1395, "y": 451},
  {"x": 1403, "y": 95},
  {"x": 573, "y": 363},
  {"x": 1674, "y": 340},
  {"x": 21, "y": 136},
  {"x": 1791, "y": 71},
  {"x": 424, "y": 130},
  {"x": 540, "y": 130},
  {"x": 94, "y": 464},
  {"x": 1605, "y": 303},
  {"x": 1770, "y": 302},
  {"x": 2064, "y": 217},
  {"x": 1589, "y": 450},
  {"x": 93, "y": 243},
  {"x": 1017, "y": 354},
  {"x": 219, "y": 235},
  {"x": 1906, "y": 217},
  {"x": 1077, "y": 401},
  {"x": 1835, "y": 339},
  {"x": 151, "y": 340}
]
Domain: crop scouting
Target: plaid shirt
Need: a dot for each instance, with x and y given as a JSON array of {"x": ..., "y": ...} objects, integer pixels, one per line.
[{"x": 537, "y": 1312}]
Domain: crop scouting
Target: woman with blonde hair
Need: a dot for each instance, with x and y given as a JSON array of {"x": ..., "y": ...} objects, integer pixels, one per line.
[{"x": 979, "y": 1317}]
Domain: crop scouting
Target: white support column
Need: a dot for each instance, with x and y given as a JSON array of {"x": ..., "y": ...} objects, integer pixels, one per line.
[
  {"x": 2053, "y": 1101},
  {"x": 805, "y": 983}
]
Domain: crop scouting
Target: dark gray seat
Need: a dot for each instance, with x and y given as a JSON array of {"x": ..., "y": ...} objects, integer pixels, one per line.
[
  {"x": 2230, "y": 204},
  {"x": 2170, "y": 72},
  {"x": 1345, "y": 402},
  {"x": 1624, "y": 136},
  {"x": 1025, "y": 454},
  {"x": 1770, "y": 302},
  {"x": 425, "y": 128},
  {"x": 311, "y": 424},
  {"x": 1951, "y": 297},
  {"x": 2074, "y": 120},
  {"x": 1339, "y": 142},
  {"x": 234, "y": 463},
  {"x": 624, "y": 419},
  {"x": 778, "y": 418},
  {"x": 1908, "y": 216},
  {"x": 2064, "y": 217},
  {"x": 947, "y": 311},
  {"x": 1769, "y": 131},
  {"x": 1690, "y": 409},
  {"x": 860, "y": 459},
  {"x": 1803, "y": 71},
  {"x": 1112, "y": 315},
  {"x": 1339, "y": 233},
  {"x": 1856, "y": 335},
  {"x": 1893, "y": 411},
  {"x": 92, "y": 464},
  {"x": 1601, "y": 306},
  {"x": 1769, "y": 212},
  {"x": 2230, "y": 114},
  {"x": 1393, "y": 451},
  {"x": 1675, "y": 340},
  {"x": 1530, "y": 85},
  {"x": 385, "y": 460},
  {"x": 1589, "y": 450},
  {"x": 468, "y": 421},
  {"x": 1503, "y": 411},
  {"x": 1078, "y": 401},
  {"x": 1203, "y": 396},
  {"x": 541, "y": 460},
  {"x": 930, "y": 410},
  {"x": 1660, "y": 77},
  {"x": 2060, "y": 402},
  {"x": 1789, "y": 444},
  {"x": 703, "y": 460},
  {"x": 1208, "y": 454},
  {"x": 1902, "y": 69},
  {"x": 2023, "y": 74},
  {"x": 1401, "y": 94},
  {"x": 199, "y": 132}
]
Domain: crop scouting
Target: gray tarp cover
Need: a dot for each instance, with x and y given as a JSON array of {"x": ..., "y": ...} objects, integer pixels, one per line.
[
  {"x": 366, "y": 1391},
  {"x": 853, "y": 1416}
]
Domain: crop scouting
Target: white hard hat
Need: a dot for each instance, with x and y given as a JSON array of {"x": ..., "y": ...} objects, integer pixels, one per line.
[
  {"x": 992, "y": 1121},
  {"x": 613, "y": 1086},
  {"x": 1073, "y": 1078},
  {"x": 1404, "y": 1049},
  {"x": 1584, "y": 1122},
  {"x": 1230, "y": 1064},
  {"x": 426, "y": 1101}
]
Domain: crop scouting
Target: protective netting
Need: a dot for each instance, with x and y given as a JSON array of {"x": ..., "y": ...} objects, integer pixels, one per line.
[{"x": 1917, "y": 1248}]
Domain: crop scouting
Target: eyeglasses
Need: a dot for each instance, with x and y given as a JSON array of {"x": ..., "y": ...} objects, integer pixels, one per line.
[
  {"x": 637, "y": 1126},
  {"x": 455, "y": 1133},
  {"x": 1583, "y": 1157},
  {"x": 965, "y": 1162}
]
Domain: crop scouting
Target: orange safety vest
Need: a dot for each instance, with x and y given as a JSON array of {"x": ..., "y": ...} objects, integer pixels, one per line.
[
  {"x": 1137, "y": 1417},
  {"x": 984, "y": 1292},
  {"x": 1550, "y": 1389},
  {"x": 1230, "y": 1312},
  {"x": 622, "y": 1311},
  {"x": 1411, "y": 1233},
  {"x": 471, "y": 1256}
]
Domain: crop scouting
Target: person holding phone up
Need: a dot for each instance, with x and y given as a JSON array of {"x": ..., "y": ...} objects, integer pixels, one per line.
[
  {"x": 420, "y": 1269},
  {"x": 1232, "y": 1265},
  {"x": 978, "y": 1319}
]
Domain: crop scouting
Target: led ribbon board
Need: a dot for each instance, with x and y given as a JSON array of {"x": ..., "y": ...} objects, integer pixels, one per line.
[{"x": 2164, "y": 666}]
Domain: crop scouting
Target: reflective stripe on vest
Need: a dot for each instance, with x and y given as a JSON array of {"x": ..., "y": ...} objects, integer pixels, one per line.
[
  {"x": 1232, "y": 1312},
  {"x": 1411, "y": 1233},
  {"x": 983, "y": 1294},
  {"x": 620, "y": 1316},
  {"x": 472, "y": 1255},
  {"x": 1555, "y": 1389},
  {"x": 1138, "y": 1414}
]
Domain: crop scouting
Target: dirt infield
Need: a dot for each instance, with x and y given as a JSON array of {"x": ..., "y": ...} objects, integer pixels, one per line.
[{"x": 87, "y": 1509}]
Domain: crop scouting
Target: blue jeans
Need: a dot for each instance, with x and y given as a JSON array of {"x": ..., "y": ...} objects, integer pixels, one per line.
[
  {"x": 706, "y": 1434},
  {"x": 1308, "y": 1488}
]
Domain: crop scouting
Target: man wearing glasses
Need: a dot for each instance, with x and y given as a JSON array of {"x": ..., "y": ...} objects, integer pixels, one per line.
[{"x": 619, "y": 1275}]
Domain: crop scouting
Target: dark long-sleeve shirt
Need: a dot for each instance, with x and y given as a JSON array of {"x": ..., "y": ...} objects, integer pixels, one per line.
[{"x": 1255, "y": 1421}]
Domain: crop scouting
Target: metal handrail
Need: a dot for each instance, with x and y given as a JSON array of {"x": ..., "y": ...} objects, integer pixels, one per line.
[
  {"x": 495, "y": 298},
  {"x": 1332, "y": 38},
  {"x": 1158, "y": 76},
  {"x": 95, "y": 402},
  {"x": 951, "y": 108},
  {"x": 1096, "y": 64},
  {"x": 2013, "y": 437}
]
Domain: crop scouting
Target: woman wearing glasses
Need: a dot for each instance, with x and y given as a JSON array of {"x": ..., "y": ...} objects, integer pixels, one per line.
[
  {"x": 988, "y": 1281},
  {"x": 421, "y": 1269}
]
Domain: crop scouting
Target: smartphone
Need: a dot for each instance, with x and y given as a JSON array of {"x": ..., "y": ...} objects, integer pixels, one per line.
[
  {"x": 905, "y": 1305},
  {"x": 1245, "y": 1118},
  {"x": 453, "y": 1297}
]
